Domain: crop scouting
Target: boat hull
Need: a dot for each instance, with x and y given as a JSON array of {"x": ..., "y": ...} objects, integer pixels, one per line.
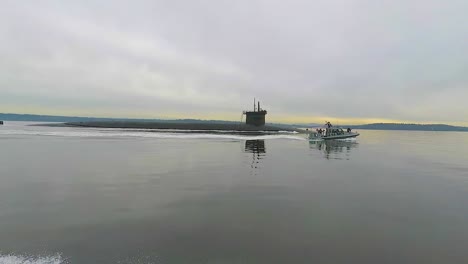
[{"x": 342, "y": 136}]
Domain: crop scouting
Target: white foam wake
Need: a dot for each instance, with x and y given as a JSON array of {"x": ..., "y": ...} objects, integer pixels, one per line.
[
  {"x": 146, "y": 134},
  {"x": 20, "y": 259},
  {"x": 348, "y": 139}
]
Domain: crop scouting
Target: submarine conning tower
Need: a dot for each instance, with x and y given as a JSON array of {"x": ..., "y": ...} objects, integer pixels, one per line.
[{"x": 255, "y": 117}]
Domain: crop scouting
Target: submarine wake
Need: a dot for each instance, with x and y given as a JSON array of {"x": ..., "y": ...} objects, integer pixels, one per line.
[{"x": 144, "y": 133}]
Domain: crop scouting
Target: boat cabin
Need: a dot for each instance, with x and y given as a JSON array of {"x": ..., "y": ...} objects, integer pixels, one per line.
[{"x": 334, "y": 132}]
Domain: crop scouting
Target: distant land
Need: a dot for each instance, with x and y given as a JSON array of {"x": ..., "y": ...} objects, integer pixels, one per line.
[
  {"x": 76, "y": 119},
  {"x": 375, "y": 126},
  {"x": 415, "y": 127},
  {"x": 50, "y": 118}
]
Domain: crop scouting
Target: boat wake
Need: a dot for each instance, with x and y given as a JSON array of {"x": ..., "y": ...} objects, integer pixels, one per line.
[
  {"x": 347, "y": 139},
  {"x": 21, "y": 259}
]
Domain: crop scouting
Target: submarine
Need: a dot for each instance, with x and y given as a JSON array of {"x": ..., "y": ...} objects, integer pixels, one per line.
[{"x": 254, "y": 124}]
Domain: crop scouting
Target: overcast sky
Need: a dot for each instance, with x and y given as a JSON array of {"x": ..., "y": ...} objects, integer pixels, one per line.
[{"x": 307, "y": 61}]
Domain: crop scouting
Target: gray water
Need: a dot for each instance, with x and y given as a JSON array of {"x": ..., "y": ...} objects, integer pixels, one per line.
[{"x": 75, "y": 195}]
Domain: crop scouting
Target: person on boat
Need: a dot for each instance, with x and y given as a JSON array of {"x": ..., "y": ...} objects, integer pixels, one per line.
[
  {"x": 328, "y": 124},
  {"x": 348, "y": 130}
]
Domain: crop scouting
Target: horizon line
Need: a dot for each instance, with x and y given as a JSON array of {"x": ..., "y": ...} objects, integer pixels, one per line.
[{"x": 201, "y": 119}]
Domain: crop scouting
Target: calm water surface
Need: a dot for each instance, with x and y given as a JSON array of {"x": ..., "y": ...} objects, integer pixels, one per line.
[{"x": 70, "y": 195}]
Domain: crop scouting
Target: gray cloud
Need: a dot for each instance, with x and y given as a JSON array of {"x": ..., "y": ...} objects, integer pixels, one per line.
[{"x": 403, "y": 60}]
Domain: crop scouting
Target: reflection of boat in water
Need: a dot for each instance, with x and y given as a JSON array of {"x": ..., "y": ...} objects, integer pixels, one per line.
[
  {"x": 338, "y": 147},
  {"x": 330, "y": 132}
]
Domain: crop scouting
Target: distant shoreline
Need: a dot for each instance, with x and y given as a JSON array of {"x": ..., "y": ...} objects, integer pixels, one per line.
[
  {"x": 411, "y": 127},
  {"x": 197, "y": 124}
]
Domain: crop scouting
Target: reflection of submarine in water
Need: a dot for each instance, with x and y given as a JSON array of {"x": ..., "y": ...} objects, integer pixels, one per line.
[
  {"x": 257, "y": 148},
  {"x": 333, "y": 146}
]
